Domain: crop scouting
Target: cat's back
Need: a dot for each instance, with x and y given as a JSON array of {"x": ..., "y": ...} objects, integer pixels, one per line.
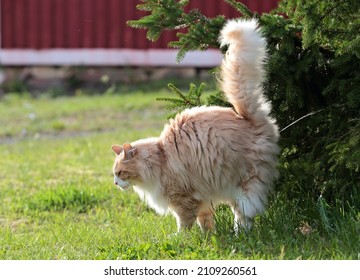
[
  {"x": 204, "y": 117},
  {"x": 203, "y": 120},
  {"x": 205, "y": 131}
]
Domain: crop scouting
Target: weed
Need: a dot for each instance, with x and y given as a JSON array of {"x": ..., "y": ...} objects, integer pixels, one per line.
[{"x": 65, "y": 198}]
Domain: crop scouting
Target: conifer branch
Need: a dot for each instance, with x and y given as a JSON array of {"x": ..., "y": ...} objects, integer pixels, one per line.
[
  {"x": 186, "y": 100},
  {"x": 240, "y": 7}
]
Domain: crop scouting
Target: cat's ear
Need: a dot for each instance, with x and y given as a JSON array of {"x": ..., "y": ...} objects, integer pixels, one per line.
[
  {"x": 129, "y": 151},
  {"x": 117, "y": 149}
]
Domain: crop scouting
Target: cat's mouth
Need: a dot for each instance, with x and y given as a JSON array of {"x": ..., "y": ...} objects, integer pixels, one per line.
[{"x": 124, "y": 185}]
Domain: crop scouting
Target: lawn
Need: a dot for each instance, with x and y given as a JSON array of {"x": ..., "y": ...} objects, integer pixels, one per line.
[{"x": 58, "y": 200}]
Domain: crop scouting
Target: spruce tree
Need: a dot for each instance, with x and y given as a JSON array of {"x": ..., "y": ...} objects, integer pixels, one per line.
[{"x": 313, "y": 82}]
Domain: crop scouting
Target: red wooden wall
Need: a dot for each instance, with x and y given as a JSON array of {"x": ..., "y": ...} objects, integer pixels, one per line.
[{"x": 69, "y": 24}]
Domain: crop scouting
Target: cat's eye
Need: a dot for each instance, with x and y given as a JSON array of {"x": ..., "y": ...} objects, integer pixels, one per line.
[{"x": 118, "y": 174}]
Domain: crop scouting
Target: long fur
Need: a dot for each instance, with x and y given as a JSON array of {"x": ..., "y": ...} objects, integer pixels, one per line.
[{"x": 211, "y": 155}]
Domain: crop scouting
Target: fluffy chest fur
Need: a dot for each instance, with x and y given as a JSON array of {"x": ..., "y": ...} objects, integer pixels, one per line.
[{"x": 154, "y": 197}]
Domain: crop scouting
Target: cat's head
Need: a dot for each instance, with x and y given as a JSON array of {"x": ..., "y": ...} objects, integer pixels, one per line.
[{"x": 125, "y": 166}]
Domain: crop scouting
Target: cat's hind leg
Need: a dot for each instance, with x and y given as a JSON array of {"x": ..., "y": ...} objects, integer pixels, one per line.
[
  {"x": 246, "y": 206},
  {"x": 205, "y": 219},
  {"x": 242, "y": 220}
]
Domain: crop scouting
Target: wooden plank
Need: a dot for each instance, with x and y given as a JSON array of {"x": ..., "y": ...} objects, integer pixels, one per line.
[
  {"x": 59, "y": 24},
  {"x": 130, "y": 34},
  {"x": 46, "y": 28},
  {"x": 33, "y": 24},
  {"x": 73, "y": 30},
  {"x": 113, "y": 57},
  {"x": 7, "y": 24},
  {"x": 114, "y": 23},
  {"x": 19, "y": 24},
  {"x": 100, "y": 24},
  {"x": 87, "y": 23}
]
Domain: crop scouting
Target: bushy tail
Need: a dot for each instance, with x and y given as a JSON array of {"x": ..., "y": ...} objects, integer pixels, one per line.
[{"x": 242, "y": 69}]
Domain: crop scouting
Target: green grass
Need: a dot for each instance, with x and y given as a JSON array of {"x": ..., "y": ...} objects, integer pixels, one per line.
[{"x": 58, "y": 201}]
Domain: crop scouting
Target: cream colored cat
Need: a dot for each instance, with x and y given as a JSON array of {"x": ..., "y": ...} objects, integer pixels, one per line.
[{"x": 211, "y": 155}]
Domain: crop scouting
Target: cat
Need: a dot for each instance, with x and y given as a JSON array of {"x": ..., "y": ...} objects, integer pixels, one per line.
[{"x": 211, "y": 155}]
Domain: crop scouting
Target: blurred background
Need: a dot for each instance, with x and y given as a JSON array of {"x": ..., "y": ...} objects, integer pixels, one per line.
[{"x": 71, "y": 44}]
